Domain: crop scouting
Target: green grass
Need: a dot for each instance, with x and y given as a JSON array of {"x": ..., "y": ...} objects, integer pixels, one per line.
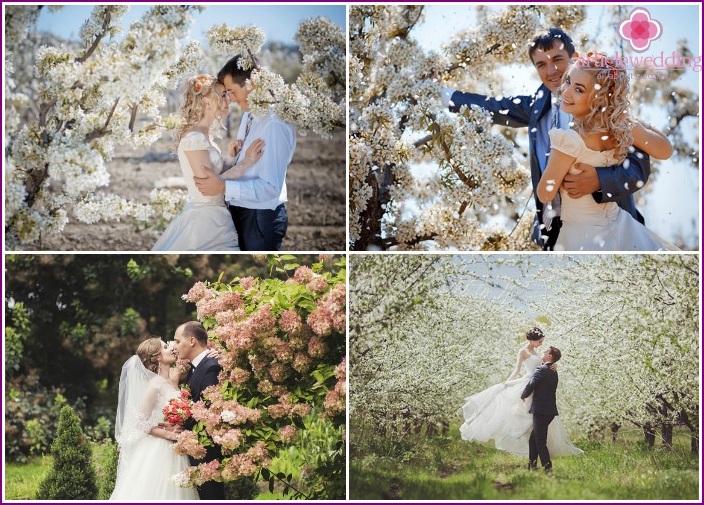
[
  {"x": 452, "y": 469},
  {"x": 22, "y": 480}
]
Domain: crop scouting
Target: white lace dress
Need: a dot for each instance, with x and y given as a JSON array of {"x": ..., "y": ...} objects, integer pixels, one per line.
[
  {"x": 205, "y": 223},
  {"x": 147, "y": 463},
  {"x": 591, "y": 226},
  {"x": 499, "y": 414}
]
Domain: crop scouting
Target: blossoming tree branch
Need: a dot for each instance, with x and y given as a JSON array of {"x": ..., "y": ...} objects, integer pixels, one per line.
[{"x": 103, "y": 93}]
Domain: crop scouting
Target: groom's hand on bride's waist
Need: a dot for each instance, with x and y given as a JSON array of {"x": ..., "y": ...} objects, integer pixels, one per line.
[
  {"x": 581, "y": 184},
  {"x": 211, "y": 184}
]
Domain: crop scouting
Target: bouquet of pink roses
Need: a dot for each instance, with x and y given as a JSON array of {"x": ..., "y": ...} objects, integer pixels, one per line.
[{"x": 179, "y": 408}]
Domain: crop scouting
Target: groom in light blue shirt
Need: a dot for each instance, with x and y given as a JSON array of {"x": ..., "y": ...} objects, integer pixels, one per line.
[{"x": 257, "y": 199}]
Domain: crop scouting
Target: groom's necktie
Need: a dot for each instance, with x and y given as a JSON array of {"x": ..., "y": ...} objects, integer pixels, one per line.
[{"x": 247, "y": 127}]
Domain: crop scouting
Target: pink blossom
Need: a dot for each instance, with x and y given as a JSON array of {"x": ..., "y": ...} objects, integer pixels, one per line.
[
  {"x": 209, "y": 471},
  {"x": 338, "y": 295},
  {"x": 334, "y": 403},
  {"x": 290, "y": 322},
  {"x": 301, "y": 362},
  {"x": 262, "y": 322},
  {"x": 320, "y": 321},
  {"x": 303, "y": 275},
  {"x": 247, "y": 283},
  {"x": 239, "y": 376},
  {"x": 187, "y": 445},
  {"x": 341, "y": 369},
  {"x": 316, "y": 348},
  {"x": 278, "y": 372},
  {"x": 230, "y": 440},
  {"x": 259, "y": 452},
  {"x": 230, "y": 300},
  {"x": 318, "y": 284},
  {"x": 198, "y": 292},
  {"x": 287, "y": 433}
]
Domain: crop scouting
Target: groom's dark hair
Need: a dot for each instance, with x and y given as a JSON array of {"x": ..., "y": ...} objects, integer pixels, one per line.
[
  {"x": 239, "y": 75},
  {"x": 555, "y": 353},
  {"x": 545, "y": 40},
  {"x": 195, "y": 329}
]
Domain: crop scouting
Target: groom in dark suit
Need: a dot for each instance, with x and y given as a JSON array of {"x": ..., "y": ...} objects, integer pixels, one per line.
[
  {"x": 550, "y": 53},
  {"x": 542, "y": 386},
  {"x": 191, "y": 342}
]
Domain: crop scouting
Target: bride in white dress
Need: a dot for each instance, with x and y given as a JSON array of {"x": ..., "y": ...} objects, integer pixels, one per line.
[
  {"x": 499, "y": 414},
  {"x": 595, "y": 92},
  {"x": 205, "y": 223},
  {"x": 147, "y": 459}
]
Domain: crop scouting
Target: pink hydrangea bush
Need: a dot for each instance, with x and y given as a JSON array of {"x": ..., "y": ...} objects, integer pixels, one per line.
[{"x": 282, "y": 349}]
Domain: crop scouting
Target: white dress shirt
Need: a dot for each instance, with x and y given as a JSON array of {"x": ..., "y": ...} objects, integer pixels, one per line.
[
  {"x": 196, "y": 361},
  {"x": 264, "y": 185}
]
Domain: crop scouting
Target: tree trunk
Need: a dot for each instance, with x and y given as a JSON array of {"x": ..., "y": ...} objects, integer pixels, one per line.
[
  {"x": 614, "y": 431},
  {"x": 667, "y": 434},
  {"x": 649, "y": 433}
]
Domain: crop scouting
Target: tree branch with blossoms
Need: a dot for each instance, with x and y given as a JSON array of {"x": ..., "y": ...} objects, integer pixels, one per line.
[
  {"x": 316, "y": 101},
  {"x": 89, "y": 101}
]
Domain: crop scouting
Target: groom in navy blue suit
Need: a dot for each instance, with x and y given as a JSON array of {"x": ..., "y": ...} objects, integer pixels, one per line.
[
  {"x": 543, "y": 387},
  {"x": 550, "y": 53},
  {"x": 191, "y": 342}
]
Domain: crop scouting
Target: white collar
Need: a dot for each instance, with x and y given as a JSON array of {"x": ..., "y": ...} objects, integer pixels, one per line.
[{"x": 196, "y": 361}]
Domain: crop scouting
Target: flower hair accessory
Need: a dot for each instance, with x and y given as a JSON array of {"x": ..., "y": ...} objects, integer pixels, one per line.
[{"x": 199, "y": 82}]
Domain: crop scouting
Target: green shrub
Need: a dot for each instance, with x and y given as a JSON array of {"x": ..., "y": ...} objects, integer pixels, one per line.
[
  {"x": 72, "y": 476},
  {"x": 106, "y": 467}
]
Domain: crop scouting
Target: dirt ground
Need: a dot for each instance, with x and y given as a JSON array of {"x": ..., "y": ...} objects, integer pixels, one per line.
[{"x": 316, "y": 181}]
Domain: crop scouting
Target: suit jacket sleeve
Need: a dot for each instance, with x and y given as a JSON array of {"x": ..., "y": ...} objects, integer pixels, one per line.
[
  {"x": 505, "y": 112},
  {"x": 624, "y": 179},
  {"x": 210, "y": 375},
  {"x": 537, "y": 377}
]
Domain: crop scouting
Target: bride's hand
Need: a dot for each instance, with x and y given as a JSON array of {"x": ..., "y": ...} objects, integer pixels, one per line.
[
  {"x": 254, "y": 151},
  {"x": 234, "y": 147},
  {"x": 553, "y": 367},
  {"x": 212, "y": 353}
]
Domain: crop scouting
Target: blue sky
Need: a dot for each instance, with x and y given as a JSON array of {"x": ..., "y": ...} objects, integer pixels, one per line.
[
  {"x": 673, "y": 205},
  {"x": 279, "y": 22}
]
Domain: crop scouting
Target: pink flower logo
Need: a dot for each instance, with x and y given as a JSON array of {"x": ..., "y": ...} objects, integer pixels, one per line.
[{"x": 639, "y": 30}]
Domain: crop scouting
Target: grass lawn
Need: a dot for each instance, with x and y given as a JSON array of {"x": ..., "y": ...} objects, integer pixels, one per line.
[{"x": 452, "y": 469}]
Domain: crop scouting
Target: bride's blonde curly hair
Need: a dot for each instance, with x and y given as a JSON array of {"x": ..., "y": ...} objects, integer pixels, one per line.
[
  {"x": 195, "y": 89},
  {"x": 149, "y": 352},
  {"x": 610, "y": 105}
]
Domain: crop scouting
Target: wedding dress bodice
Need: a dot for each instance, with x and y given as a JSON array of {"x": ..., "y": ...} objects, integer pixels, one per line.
[
  {"x": 151, "y": 412},
  {"x": 585, "y": 209},
  {"x": 196, "y": 141},
  {"x": 531, "y": 364}
]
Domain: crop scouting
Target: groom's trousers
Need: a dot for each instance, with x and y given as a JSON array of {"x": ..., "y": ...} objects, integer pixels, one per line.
[
  {"x": 260, "y": 229},
  {"x": 538, "y": 441}
]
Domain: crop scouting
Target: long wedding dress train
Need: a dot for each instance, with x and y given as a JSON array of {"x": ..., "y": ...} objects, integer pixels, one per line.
[{"x": 499, "y": 414}]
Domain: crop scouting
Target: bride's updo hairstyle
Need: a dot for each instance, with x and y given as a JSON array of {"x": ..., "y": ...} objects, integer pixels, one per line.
[
  {"x": 534, "y": 334},
  {"x": 610, "y": 106},
  {"x": 149, "y": 352},
  {"x": 195, "y": 89}
]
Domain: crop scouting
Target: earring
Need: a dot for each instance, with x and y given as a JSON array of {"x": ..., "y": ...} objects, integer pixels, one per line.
[{"x": 158, "y": 368}]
